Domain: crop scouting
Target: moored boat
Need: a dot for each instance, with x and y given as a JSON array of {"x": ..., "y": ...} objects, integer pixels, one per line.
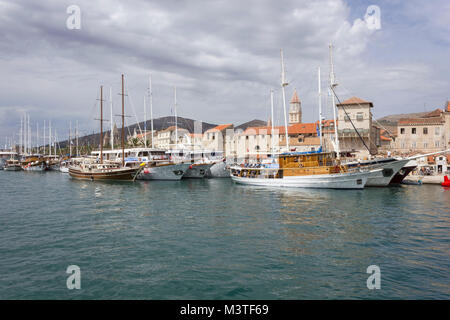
[
  {"x": 380, "y": 178},
  {"x": 93, "y": 170},
  {"x": 306, "y": 170},
  {"x": 12, "y": 165}
]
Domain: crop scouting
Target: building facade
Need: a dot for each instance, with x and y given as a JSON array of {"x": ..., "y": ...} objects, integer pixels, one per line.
[{"x": 356, "y": 113}]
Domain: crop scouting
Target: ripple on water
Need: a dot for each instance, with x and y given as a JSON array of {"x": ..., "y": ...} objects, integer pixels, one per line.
[{"x": 212, "y": 239}]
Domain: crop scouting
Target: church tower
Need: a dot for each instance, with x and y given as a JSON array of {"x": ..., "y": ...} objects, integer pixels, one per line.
[{"x": 295, "y": 109}]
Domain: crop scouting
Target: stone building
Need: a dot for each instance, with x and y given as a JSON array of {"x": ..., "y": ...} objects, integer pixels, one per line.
[
  {"x": 358, "y": 112},
  {"x": 295, "y": 109},
  {"x": 429, "y": 133}
]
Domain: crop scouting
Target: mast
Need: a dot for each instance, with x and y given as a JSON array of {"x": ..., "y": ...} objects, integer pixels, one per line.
[
  {"x": 176, "y": 124},
  {"x": 332, "y": 86},
  {"x": 320, "y": 105},
  {"x": 145, "y": 124},
  {"x": 283, "y": 85},
  {"x": 76, "y": 135},
  {"x": 21, "y": 130},
  {"x": 50, "y": 137},
  {"x": 54, "y": 142},
  {"x": 29, "y": 135},
  {"x": 111, "y": 138},
  {"x": 70, "y": 140},
  {"x": 37, "y": 137},
  {"x": 151, "y": 104},
  {"x": 101, "y": 124},
  {"x": 44, "y": 139},
  {"x": 123, "y": 130},
  {"x": 271, "y": 117}
]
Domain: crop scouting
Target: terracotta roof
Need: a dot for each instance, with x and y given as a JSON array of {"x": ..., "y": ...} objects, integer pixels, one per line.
[
  {"x": 355, "y": 100},
  {"x": 171, "y": 128},
  {"x": 295, "y": 98},
  {"x": 420, "y": 121},
  {"x": 262, "y": 130},
  {"x": 220, "y": 127},
  {"x": 434, "y": 113},
  {"x": 195, "y": 135},
  {"x": 302, "y": 128},
  {"x": 298, "y": 128}
]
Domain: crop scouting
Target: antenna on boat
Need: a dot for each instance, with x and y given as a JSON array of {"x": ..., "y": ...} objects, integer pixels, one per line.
[
  {"x": 284, "y": 84},
  {"x": 333, "y": 84}
]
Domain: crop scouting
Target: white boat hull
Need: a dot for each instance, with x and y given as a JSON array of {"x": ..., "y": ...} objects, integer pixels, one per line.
[
  {"x": 64, "y": 169},
  {"x": 218, "y": 170},
  {"x": 382, "y": 178},
  {"x": 197, "y": 171},
  {"x": 167, "y": 172},
  {"x": 353, "y": 180}
]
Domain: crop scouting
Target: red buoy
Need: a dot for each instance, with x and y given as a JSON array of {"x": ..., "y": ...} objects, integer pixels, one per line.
[{"x": 446, "y": 182}]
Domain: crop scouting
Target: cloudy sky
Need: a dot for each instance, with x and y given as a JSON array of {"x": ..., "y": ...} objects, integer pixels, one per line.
[{"x": 223, "y": 57}]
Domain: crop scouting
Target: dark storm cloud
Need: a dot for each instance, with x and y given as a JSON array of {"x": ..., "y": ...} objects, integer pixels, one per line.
[{"x": 223, "y": 56}]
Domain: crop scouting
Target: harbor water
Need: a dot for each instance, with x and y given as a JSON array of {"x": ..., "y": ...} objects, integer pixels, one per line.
[{"x": 212, "y": 239}]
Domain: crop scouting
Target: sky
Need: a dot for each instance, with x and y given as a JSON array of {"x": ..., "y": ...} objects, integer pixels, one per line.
[{"x": 223, "y": 57}]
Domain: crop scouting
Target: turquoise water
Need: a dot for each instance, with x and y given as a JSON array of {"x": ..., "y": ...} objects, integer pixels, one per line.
[{"x": 211, "y": 239}]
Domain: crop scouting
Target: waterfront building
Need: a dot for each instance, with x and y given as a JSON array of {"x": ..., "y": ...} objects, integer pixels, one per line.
[
  {"x": 359, "y": 112},
  {"x": 167, "y": 139},
  {"x": 214, "y": 139},
  {"x": 429, "y": 133}
]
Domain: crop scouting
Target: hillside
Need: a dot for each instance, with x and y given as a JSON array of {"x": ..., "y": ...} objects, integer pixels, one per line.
[
  {"x": 158, "y": 124},
  {"x": 253, "y": 123}
]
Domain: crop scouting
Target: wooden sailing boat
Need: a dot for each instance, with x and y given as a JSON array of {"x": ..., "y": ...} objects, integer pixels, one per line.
[
  {"x": 315, "y": 169},
  {"x": 98, "y": 170}
]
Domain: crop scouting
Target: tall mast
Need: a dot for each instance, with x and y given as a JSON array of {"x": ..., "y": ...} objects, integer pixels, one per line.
[
  {"x": 176, "y": 124},
  {"x": 151, "y": 104},
  {"x": 320, "y": 105},
  {"x": 284, "y": 84},
  {"x": 101, "y": 124},
  {"x": 76, "y": 135},
  {"x": 70, "y": 140},
  {"x": 332, "y": 86},
  {"x": 145, "y": 124},
  {"x": 29, "y": 135},
  {"x": 271, "y": 121},
  {"x": 43, "y": 136},
  {"x": 50, "y": 137},
  {"x": 54, "y": 142},
  {"x": 21, "y": 134},
  {"x": 111, "y": 138},
  {"x": 123, "y": 128},
  {"x": 37, "y": 137}
]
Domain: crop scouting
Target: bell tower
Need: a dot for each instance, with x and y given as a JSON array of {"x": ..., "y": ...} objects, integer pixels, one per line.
[{"x": 295, "y": 109}]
